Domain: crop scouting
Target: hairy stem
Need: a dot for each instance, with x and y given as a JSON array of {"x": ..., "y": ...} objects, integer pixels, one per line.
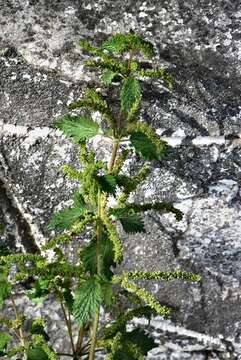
[
  {"x": 20, "y": 333},
  {"x": 79, "y": 342},
  {"x": 130, "y": 59},
  {"x": 116, "y": 143},
  {"x": 94, "y": 336},
  {"x": 97, "y": 315},
  {"x": 68, "y": 324}
]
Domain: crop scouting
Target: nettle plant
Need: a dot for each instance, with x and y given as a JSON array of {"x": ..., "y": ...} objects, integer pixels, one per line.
[{"x": 86, "y": 286}]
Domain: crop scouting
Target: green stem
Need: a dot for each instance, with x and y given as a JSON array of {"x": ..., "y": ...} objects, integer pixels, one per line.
[
  {"x": 20, "y": 334},
  {"x": 97, "y": 315},
  {"x": 78, "y": 346},
  {"x": 116, "y": 143},
  {"x": 94, "y": 336},
  {"x": 68, "y": 324},
  {"x": 130, "y": 59}
]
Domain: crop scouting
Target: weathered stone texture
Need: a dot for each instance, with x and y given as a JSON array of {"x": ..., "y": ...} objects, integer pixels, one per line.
[{"x": 42, "y": 71}]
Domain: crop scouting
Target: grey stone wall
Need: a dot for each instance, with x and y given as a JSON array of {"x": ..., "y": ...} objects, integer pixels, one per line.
[{"x": 42, "y": 71}]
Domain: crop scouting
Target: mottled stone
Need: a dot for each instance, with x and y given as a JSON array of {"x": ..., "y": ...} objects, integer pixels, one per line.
[{"x": 42, "y": 72}]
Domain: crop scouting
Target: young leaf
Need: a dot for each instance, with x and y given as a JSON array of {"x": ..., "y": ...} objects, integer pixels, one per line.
[
  {"x": 79, "y": 128},
  {"x": 143, "y": 145},
  {"x": 108, "y": 183},
  {"x": 5, "y": 339},
  {"x": 131, "y": 222},
  {"x": 87, "y": 300},
  {"x": 108, "y": 76},
  {"x": 144, "y": 342},
  {"x": 120, "y": 43},
  {"x": 130, "y": 95}
]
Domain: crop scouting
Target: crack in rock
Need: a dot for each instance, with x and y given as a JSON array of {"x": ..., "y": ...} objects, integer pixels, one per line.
[{"x": 23, "y": 229}]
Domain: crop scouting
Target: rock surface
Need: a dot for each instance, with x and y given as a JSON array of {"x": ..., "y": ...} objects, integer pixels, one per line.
[{"x": 42, "y": 71}]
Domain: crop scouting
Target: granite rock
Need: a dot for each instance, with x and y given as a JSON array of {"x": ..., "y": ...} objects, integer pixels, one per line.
[{"x": 42, "y": 72}]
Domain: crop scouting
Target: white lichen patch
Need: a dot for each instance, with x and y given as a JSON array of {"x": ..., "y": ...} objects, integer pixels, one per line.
[
  {"x": 225, "y": 188},
  {"x": 10, "y": 129},
  {"x": 34, "y": 135},
  {"x": 208, "y": 140}
]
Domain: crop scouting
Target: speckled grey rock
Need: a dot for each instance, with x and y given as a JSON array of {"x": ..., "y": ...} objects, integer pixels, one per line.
[{"x": 42, "y": 72}]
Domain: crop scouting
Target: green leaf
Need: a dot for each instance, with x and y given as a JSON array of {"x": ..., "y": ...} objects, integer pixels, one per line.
[
  {"x": 89, "y": 258},
  {"x": 87, "y": 300},
  {"x": 79, "y": 128},
  {"x": 37, "y": 353},
  {"x": 131, "y": 222},
  {"x": 123, "y": 354},
  {"x": 158, "y": 73},
  {"x": 144, "y": 342},
  {"x": 130, "y": 95},
  {"x": 79, "y": 200},
  {"x": 108, "y": 76},
  {"x": 127, "y": 183},
  {"x": 108, "y": 183},
  {"x": 120, "y": 43},
  {"x": 5, "y": 289},
  {"x": 94, "y": 101},
  {"x": 5, "y": 339},
  {"x": 40, "y": 290},
  {"x": 65, "y": 218},
  {"x": 143, "y": 145}
]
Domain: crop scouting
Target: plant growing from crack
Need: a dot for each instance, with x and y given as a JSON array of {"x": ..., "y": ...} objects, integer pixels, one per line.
[{"x": 85, "y": 287}]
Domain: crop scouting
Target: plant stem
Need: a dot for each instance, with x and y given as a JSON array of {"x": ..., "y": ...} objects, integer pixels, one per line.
[
  {"x": 68, "y": 324},
  {"x": 98, "y": 265},
  {"x": 116, "y": 143},
  {"x": 130, "y": 59},
  {"x": 94, "y": 336},
  {"x": 79, "y": 342},
  {"x": 65, "y": 354},
  {"x": 20, "y": 335}
]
